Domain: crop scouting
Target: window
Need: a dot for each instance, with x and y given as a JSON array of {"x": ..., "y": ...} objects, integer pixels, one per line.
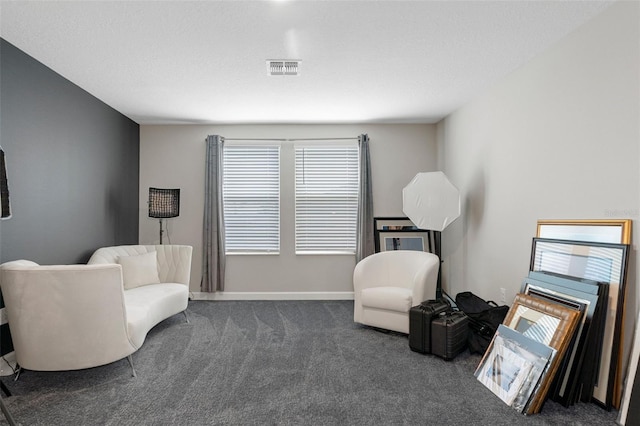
[
  {"x": 326, "y": 198},
  {"x": 251, "y": 195}
]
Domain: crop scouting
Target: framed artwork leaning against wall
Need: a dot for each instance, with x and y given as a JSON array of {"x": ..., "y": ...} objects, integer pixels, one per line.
[
  {"x": 399, "y": 233},
  {"x": 605, "y": 263}
]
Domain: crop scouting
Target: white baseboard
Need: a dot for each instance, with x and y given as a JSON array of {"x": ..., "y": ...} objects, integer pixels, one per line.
[{"x": 245, "y": 295}]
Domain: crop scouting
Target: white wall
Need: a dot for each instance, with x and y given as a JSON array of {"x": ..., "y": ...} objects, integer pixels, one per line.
[
  {"x": 557, "y": 139},
  {"x": 172, "y": 156}
]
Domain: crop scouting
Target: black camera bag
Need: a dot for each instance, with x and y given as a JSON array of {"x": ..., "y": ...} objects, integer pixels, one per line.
[{"x": 484, "y": 319}]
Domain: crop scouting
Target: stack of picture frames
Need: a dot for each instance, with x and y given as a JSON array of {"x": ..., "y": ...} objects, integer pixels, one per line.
[
  {"x": 596, "y": 250},
  {"x": 527, "y": 351},
  {"x": 399, "y": 233},
  {"x": 579, "y": 372},
  {"x": 563, "y": 336}
]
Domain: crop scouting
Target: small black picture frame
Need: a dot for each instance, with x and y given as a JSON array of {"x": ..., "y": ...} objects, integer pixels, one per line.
[{"x": 399, "y": 233}]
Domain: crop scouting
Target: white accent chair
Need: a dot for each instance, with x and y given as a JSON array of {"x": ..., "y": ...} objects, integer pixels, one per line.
[
  {"x": 387, "y": 284},
  {"x": 70, "y": 317}
]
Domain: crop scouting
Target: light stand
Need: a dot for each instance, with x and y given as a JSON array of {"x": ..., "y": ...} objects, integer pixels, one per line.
[
  {"x": 161, "y": 230},
  {"x": 431, "y": 202},
  {"x": 437, "y": 239},
  {"x": 163, "y": 204}
]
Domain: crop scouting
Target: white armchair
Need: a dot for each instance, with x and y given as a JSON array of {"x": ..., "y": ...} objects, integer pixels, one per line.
[
  {"x": 66, "y": 317},
  {"x": 387, "y": 284}
]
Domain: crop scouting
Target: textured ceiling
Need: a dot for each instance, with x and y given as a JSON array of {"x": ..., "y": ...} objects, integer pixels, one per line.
[{"x": 362, "y": 61}]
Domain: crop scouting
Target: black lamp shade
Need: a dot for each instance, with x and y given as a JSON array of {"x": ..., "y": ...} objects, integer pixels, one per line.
[{"x": 164, "y": 203}]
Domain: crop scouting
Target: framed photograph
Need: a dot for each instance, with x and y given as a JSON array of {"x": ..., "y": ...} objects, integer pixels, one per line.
[
  {"x": 567, "y": 383},
  {"x": 592, "y": 230},
  {"x": 601, "y": 262},
  {"x": 547, "y": 323},
  {"x": 572, "y": 283},
  {"x": 504, "y": 372},
  {"x": 535, "y": 324},
  {"x": 403, "y": 241},
  {"x": 513, "y": 367},
  {"x": 399, "y": 233},
  {"x": 541, "y": 320}
]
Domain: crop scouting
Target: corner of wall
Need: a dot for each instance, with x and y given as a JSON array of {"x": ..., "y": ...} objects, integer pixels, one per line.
[{"x": 440, "y": 144}]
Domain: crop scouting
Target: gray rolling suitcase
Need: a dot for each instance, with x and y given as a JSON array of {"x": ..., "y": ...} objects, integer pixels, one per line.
[
  {"x": 449, "y": 334},
  {"x": 420, "y": 324}
]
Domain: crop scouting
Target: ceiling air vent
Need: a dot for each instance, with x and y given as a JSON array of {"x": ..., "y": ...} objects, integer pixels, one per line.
[{"x": 283, "y": 66}]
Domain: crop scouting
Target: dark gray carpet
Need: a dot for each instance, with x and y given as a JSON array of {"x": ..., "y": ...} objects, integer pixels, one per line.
[{"x": 289, "y": 363}]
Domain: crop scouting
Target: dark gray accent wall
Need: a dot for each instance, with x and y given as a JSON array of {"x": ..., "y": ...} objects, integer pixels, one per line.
[{"x": 72, "y": 163}]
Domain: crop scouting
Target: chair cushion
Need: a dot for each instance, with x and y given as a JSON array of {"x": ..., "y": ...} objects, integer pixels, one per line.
[
  {"x": 148, "y": 305},
  {"x": 389, "y": 298},
  {"x": 139, "y": 270}
]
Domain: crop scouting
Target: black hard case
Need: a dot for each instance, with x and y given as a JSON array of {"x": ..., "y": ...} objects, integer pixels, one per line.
[
  {"x": 449, "y": 334},
  {"x": 420, "y": 324}
]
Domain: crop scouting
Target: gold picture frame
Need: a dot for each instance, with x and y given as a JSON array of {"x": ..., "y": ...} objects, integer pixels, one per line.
[
  {"x": 594, "y": 230},
  {"x": 557, "y": 323}
]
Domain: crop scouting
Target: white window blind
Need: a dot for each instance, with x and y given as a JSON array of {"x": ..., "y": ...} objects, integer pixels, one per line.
[
  {"x": 251, "y": 194},
  {"x": 326, "y": 198}
]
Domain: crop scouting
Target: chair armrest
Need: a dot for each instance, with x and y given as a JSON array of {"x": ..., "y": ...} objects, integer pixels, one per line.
[
  {"x": 66, "y": 317},
  {"x": 425, "y": 280},
  {"x": 174, "y": 263}
]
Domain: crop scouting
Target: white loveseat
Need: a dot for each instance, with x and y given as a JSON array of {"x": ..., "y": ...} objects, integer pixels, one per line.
[
  {"x": 387, "y": 284},
  {"x": 69, "y": 317}
]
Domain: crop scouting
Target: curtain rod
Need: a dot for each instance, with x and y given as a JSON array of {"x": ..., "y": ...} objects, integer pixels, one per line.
[{"x": 290, "y": 140}]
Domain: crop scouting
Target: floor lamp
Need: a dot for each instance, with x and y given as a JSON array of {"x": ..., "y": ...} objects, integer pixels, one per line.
[
  {"x": 163, "y": 204},
  {"x": 431, "y": 202}
]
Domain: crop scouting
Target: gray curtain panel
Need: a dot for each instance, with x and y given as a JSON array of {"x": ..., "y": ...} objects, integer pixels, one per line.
[
  {"x": 213, "y": 251},
  {"x": 364, "y": 233}
]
